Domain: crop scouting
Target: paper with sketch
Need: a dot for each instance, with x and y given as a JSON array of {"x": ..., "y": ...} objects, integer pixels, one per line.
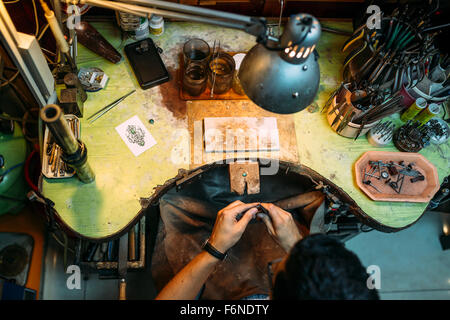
[{"x": 135, "y": 135}]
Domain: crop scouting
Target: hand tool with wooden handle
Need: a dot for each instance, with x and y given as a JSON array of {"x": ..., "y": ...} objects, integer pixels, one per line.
[{"x": 122, "y": 266}]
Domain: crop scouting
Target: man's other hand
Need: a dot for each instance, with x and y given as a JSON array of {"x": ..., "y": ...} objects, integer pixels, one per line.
[{"x": 282, "y": 225}]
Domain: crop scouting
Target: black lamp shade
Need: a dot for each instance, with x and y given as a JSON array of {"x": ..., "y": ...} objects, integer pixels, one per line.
[{"x": 284, "y": 81}]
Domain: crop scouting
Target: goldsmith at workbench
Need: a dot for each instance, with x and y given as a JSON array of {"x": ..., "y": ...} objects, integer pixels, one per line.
[{"x": 339, "y": 274}]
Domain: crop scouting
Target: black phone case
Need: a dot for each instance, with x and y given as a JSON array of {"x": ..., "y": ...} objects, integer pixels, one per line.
[{"x": 147, "y": 64}]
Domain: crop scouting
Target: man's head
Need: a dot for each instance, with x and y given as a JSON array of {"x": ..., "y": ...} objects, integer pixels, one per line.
[{"x": 320, "y": 267}]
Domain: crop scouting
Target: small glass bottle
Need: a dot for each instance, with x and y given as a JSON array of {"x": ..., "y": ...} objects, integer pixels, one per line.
[
  {"x": 156, "y": 25},
  {"x": 195, "y": 78}
]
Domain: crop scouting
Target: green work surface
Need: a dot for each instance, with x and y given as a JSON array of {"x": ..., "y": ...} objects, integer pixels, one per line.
[{"x": 107, "y": 206}]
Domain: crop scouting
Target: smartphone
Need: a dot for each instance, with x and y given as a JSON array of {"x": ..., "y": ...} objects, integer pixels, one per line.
[{"x": 146, "y": 63}]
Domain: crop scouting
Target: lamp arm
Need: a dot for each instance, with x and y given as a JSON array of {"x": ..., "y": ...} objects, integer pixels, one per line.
[{"x": 255, "y": 26}]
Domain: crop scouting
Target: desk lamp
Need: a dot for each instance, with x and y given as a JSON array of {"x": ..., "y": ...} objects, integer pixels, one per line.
[{"x": 280, "y": 75}]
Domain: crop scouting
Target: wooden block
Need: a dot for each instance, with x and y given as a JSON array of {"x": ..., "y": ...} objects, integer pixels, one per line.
[
  {"x": 241, "y": 134},
  {"x": 242, "y": 175},
  {"x": 198, "y": 110}
]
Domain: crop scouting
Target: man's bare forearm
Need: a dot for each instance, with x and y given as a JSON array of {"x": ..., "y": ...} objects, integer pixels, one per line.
[{"x": 188, "y": 282}]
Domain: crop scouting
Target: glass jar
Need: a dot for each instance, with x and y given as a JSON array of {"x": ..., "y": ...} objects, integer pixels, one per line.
[
  {"x": 196, "y": 50},
  {"x": 194, "y": 78},
  {"x": 221, "y": 70}
]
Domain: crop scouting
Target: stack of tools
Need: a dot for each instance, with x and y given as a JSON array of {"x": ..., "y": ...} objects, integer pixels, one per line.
[
  {"x": 435, "y": 85},
  {"x": 379, "y": 111},
  {"x": 412, "y": 136},
  {"x": 352, "y": 112},
  {"x": 381, "y": 134},
  {"x": 395, "y": 55},
  {"x": 105, "y": 256},
  {"x": 53, "y": 166},
  {"x": 390, "y": 175}
]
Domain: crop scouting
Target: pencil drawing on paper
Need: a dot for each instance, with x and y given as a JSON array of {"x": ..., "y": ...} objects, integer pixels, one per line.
[{"x": 135, "y": 135}]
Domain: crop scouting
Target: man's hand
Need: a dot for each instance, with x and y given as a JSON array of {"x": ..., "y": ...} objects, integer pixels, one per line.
[
  {"x": 227, "y": 229},
  {"x": 281, "y": 225}
]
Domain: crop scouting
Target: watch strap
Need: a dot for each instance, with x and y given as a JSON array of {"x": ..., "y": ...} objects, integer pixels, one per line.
[{"x": 213, "y": 251}]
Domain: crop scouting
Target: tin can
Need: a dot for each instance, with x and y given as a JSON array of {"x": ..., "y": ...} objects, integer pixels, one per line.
[
  {"x": 419, "y": 105},
  {"x": 430, "y": 112},
  {"x": 135, "y": 26}
]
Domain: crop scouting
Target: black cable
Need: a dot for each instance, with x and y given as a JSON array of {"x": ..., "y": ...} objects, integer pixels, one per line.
[{"x": 337, "y": 31}]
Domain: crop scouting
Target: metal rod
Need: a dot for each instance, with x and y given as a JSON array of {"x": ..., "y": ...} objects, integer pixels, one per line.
[
  {"x": 146, "y": 12},
  {"x": 102, "y": 111},
  {"x": 190, "y": 10},
  {"x": 437, "y": 27},
  {"x": 54, "y": 118}
]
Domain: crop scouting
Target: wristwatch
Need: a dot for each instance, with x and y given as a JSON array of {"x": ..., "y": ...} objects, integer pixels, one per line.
[{"x": 213, "y": 251}]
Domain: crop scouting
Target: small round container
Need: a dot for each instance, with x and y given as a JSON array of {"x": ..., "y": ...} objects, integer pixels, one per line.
[
  {"x": 135, "y": 26},
  {"x": 156, "y": 25},
  {"x": 430, "y": 112},
  {"x": 441, "y": 138},
  {"x": 351, "y": 129},
  {"x": 419, "y": 105},
  {"x": 378, "y": 140}
]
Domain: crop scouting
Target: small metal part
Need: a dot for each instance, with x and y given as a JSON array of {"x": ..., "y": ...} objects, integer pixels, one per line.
[
  {"x": 410, "y": 173},
  {"x": 392, "y": 170},
  {"x": 384, "y": 174},
  {"x": 418, "y": 178},
  {"x": 373, "y": 176},
  {"x": 370, "y": 183},
  {"x": 394, "y": 186}
]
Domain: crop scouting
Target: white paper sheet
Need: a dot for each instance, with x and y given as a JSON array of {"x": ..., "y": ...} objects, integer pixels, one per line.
[{"x": 135, "y": 135}]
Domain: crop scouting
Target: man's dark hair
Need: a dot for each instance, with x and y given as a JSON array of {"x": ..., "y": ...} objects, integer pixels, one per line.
[{"x": 320, "y": 267}]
